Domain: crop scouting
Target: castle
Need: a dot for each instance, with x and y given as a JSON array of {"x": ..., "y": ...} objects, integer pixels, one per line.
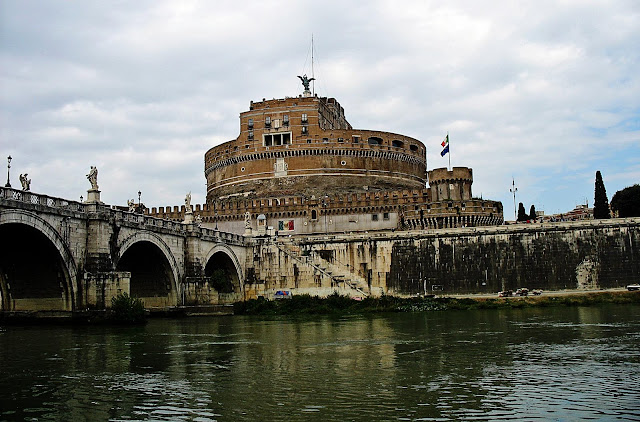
[{"x": 299, "y": 167}]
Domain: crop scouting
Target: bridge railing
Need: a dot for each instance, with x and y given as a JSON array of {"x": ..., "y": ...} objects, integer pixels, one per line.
[
  {"x": 145, "y": 220},
  {"x": 39, "y": 199},
  {"x": 222, "y": 236}
]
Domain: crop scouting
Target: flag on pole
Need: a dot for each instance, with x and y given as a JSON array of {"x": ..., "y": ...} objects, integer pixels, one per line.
[{"x": 445, "y": 145}]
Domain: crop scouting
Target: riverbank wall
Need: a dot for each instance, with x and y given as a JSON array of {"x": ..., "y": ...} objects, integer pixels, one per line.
[{"x": 586, "y": 255}]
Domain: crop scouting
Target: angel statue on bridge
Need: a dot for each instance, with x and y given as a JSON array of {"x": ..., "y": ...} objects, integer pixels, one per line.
[
  {"x": 26, "y": 183},
  {"x": 93, "y": 177}
]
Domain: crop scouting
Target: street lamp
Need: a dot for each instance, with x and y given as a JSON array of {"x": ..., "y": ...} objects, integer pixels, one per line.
[
  {"x": 514, "y": 189},
  {"x": 8, "y": 185},
  {"x": 215, "y": 214},
  {"x": 324, "y": 207},
  {"x": 139, "y": 203}
]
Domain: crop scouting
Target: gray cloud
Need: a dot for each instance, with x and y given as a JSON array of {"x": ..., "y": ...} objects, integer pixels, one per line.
[{"x": 545, "y": 92}]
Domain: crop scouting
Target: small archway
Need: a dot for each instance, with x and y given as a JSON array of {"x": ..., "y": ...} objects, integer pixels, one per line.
[
  {"x": 224, "y": 273},
  {"x": 153, "y": 278},
  {"x": 33, "y": 274}
]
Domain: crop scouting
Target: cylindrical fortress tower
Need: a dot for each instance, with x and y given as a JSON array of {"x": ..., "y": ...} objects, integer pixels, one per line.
[
  {"x": 304, "y": 145},
  {"x": 454, "y": 185}
]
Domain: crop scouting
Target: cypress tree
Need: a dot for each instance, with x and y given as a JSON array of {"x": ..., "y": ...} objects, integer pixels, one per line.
[
  {"x": 600, "y": 203},
  {"x": 522, "y": 214},
  {"x": 532, "y": 213}
]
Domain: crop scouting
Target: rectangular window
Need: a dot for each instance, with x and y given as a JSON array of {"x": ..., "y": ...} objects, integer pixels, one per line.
[
  {"x": 276, "y": 123},
  {"x": 276, "y": 139},
  {"x": 356, "y": 139},
  {"x": 385, "y": 216},
  {"x": 250, "y": 134},
  {"x": 267, "y": 121},
  {"x": 285, "y": 120},
  {"x": 250, "y": 124},
  {"x": 308, "y": 141},
  {"x": 304, "y": 129},
  {"x": 374, "y": 217},
  {"x": 325, "y": 140},
  {"x": 340, "y": 139},
  {"x": 304, "y": 118}
]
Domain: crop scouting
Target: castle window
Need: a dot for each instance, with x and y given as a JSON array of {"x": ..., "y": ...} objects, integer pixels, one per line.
[
  {"x": 304, "y": 129},
  {"x": 276, "y": 123},
  {"x": 340, "y": 139},
  {"x": 285, "y": 120},
  {"x": 250, "y": 134},
  {"x": 413, "y": 148},
  {"x": 304, "y": 118},
  {"x": 385, "y": 216},
  {"x": 374, "y": 217},
  {"x": 397, "y": 144},
  {"x": 314, "y": 214},
  {"x": 250, "y": 124},
  {"x": 325, "y": 140},
  {"x": 355, "y": 139},
  {"x": 267, "y": 121},
  {"x": 277, "y": 139},
  {"x": 374, "y": 140},
  {"x": 308, "y": 141}
]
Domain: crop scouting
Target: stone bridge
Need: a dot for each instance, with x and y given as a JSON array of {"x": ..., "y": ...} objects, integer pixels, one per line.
[{"x": 61, "y": 255}]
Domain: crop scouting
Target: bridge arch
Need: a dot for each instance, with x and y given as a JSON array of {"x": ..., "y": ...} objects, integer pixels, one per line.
[
  {"x": 154, "y": 270},
  {"x": 222, "y": 258},
  {"x": 25, "y": 286}
]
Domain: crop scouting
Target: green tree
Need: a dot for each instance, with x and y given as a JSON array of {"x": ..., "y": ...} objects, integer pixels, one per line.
[
  {"x": 532, "y": 213},
  {"x": 221, "y": 280},
  {"x": 600, "y": 203},
  {"x": 127, "y": 310},
  {"x": 626, "y": 202},
  {"x": 522, "y": 214}
]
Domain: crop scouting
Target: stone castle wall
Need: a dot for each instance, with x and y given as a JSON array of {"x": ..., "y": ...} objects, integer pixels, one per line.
[
  {"x": 295, "y": 143},
  {"x": 577, "y": 255}
]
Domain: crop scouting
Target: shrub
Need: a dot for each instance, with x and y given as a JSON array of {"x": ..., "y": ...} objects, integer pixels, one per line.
[{"x": 127, "y": 309}]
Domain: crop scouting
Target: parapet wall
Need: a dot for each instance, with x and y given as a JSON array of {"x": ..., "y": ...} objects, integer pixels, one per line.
[{"x": 551, "y": 256}]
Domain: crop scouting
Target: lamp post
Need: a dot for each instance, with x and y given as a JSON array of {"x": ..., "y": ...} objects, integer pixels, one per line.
[
  {"x": 324, "y": 210},
  {"x": 139, "y": 203},
  {"x": 8, "y": 185},
  {"x": 514, "y": 189},
  {"x": 215, "y": 214}
]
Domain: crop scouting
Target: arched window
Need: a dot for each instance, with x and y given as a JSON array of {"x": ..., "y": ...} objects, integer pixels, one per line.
[{"x": 374, "y": 140}]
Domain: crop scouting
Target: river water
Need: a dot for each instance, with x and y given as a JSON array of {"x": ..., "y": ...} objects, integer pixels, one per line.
[{"x": 530, "y": 364}]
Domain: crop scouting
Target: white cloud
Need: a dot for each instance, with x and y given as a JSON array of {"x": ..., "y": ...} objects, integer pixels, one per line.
[{"x": 546, "y": 92}]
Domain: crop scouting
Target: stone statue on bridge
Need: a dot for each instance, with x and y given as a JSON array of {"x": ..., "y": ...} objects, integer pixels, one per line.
[
  {"x": 26, "y": 183},
  {"x": 132, "y": 205},
  {"x": 93, "y": 177},
  {"x": 187, "y": 203}
]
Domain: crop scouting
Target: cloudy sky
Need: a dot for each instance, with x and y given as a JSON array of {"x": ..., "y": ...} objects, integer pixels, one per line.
[{"x": 545, "y": 92}]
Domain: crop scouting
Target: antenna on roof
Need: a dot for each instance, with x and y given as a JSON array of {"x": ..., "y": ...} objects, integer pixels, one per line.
[{"x": 313, "y": 76}]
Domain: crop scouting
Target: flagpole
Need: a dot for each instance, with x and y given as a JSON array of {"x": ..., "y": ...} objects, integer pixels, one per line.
[{"x": 449, "y": 150}]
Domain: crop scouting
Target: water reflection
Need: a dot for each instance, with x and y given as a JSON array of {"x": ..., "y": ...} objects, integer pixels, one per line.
[{"x": 557, "y": 363}]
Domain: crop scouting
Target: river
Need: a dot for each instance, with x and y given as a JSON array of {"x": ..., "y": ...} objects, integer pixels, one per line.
[{"x": 569, "y": 363}]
